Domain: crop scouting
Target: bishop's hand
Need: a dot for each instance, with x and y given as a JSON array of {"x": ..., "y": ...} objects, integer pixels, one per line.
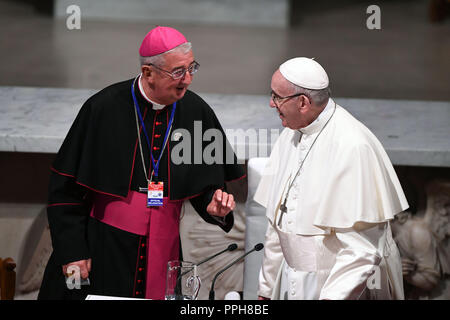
[
  {"x": 83, "y": 265},
  {"x": 221, "y": 204}
]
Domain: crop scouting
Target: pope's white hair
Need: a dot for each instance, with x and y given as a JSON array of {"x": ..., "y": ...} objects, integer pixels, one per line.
[
  {"x": 159, "y": 59},
  {"x": 319, "y": 97}
]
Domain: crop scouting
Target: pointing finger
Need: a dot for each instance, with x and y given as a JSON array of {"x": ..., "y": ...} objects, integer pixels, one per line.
[
  {"x": 230, "y": 201},
  {"x": 218, "y": 195},
  {"x": 225, "y": 197}
]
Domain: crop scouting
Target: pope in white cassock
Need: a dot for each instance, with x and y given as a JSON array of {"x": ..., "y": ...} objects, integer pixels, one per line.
[{"x": 330, "y": 191}]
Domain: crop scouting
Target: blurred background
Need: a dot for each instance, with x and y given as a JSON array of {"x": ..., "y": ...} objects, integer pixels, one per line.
[
  {"x": 387, "y": 49},
  {"x": 239, "y": 43}
]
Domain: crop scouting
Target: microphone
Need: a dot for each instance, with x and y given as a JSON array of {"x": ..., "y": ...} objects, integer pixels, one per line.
[
  {"x": 257, "y": 247},
  {"x": 231, "y": 247},
  {"x": 232, "y": 295}
]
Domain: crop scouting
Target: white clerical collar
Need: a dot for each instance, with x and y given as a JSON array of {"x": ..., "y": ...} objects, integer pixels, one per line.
[
  {"x": 156, "y": 106},
  {"x": 320, "y": 121}
]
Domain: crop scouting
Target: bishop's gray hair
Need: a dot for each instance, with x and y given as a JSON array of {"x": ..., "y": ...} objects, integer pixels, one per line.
[
  {"x": 318, "y": 97},
  {"x": 159, "y": 59}
]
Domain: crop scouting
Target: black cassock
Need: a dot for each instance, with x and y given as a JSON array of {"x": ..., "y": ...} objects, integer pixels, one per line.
[{"x": 100, "y": 154}]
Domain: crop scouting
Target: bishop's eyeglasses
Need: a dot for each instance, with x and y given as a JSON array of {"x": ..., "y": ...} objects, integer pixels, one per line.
[{"x": 180, "y": 72}]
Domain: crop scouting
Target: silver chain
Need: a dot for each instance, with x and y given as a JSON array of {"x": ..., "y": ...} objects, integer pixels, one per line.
[{"x": 301, "y": 166}]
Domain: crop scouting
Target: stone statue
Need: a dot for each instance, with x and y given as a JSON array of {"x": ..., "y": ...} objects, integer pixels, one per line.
[{"x": 423, "y": 241}]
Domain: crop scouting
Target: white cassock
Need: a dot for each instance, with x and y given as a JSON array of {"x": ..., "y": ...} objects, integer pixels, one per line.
[{"x": 334, "y": 241}]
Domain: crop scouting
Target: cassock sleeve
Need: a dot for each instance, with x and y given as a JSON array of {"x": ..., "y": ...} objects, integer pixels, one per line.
[
  {"x": 67, "y": 215},
  {"x": 355, "y": 263},
  {"x": 273, "y": 257},
  {"x": 201, "y": 202}
]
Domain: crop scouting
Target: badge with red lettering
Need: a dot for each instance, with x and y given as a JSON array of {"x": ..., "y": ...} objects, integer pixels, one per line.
[{"x": 155, "y": 194}]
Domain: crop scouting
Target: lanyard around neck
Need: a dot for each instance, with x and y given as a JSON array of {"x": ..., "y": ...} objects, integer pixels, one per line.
[{"x": 166, "y": 137}]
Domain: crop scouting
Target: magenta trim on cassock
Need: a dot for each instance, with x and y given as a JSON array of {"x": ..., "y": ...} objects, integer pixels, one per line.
[{"x": 159, "y": 224}]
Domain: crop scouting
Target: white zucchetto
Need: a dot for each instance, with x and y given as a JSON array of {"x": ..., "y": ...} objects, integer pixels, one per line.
[{"x": 305, "y": 72}]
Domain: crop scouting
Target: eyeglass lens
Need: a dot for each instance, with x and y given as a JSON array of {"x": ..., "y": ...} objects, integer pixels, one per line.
[{"x": 193, "y": 68}]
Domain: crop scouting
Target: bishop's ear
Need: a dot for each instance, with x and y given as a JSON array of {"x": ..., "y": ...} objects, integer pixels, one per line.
[
  {"x": 146, "y": 70},
  {"x": 148, "y": 74}
]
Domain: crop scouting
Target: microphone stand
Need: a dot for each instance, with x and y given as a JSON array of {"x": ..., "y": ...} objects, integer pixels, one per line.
[
  {"x": 257, "y": 247},
  {"x": 231, "y": 247}
]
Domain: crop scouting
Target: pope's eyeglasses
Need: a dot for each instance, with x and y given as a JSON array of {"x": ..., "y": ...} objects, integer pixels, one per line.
[
  {"x": 277, "y": 99},
  {"x": 180, "y": 72}
]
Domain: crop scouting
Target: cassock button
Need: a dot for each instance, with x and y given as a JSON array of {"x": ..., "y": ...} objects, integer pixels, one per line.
[
  {"x": 143, "y": 245},
  {"x": 157, "y": 136},
  {"x": 155, "y": 148},
  {"x": 140, "y": 269},
  {"x": 142, "y": 257},
  {"x": 158, "y": 123}
]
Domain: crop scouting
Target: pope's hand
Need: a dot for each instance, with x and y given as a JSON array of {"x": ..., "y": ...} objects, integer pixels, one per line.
[
  {"x": 221, "y": 204},
  {"x": 83, "y": 265}
]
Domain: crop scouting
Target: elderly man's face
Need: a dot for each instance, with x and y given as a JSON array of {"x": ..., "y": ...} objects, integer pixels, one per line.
[
  {"x": 288, "y": 109},
  {"x": 165, "y": 89}
]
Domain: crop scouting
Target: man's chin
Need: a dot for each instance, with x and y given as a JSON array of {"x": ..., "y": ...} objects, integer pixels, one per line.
[
  {"x": 180, "y": 93},
  {"x": 286, "y": 125}
]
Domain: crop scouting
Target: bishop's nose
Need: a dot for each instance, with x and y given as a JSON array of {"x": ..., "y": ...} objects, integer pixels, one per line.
[{"x": 187, "y": 79}]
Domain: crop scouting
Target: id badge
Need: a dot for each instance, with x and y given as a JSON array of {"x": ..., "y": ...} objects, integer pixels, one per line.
[{"x": 155, "y": 194}]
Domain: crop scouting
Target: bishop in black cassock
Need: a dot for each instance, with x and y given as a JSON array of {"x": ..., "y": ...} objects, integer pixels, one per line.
[{"x": 97, "y": 216}]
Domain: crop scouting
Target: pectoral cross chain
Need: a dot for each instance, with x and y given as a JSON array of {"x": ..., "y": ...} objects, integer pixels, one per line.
[{"x": 283, "y": 210}]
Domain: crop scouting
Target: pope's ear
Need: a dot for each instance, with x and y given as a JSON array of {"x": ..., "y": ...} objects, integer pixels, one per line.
[{"x": 304, "y": 103}]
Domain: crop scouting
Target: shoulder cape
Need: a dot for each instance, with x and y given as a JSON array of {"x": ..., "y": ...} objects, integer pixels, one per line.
[
  {"x": 346, "y": 179},
  {"x": 100, "y": 147}
]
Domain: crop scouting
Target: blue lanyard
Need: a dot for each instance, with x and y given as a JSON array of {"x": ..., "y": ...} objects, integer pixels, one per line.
[{"x": 166, "y": 137}]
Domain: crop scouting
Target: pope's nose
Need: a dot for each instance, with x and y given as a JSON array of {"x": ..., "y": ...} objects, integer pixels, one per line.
[{"x": 272, "y": 104}]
